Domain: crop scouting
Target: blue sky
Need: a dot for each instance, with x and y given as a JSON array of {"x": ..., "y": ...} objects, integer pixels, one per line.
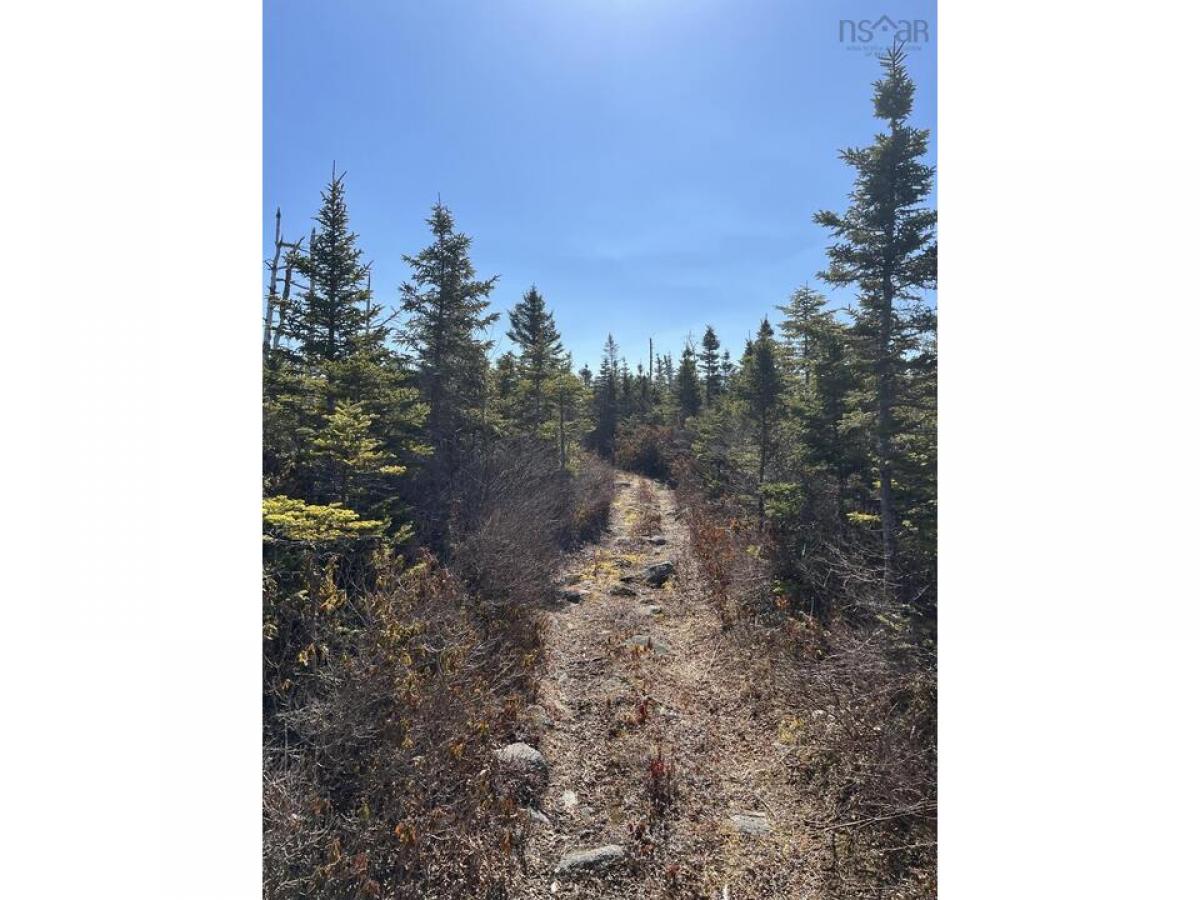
[{"x": 653, "y": 165}]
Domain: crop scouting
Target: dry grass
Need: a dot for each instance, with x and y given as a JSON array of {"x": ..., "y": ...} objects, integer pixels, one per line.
[{"x": 647, "y": 519}]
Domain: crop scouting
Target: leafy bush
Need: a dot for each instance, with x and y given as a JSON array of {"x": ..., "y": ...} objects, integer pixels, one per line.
[{"x": 294, "y": 520}]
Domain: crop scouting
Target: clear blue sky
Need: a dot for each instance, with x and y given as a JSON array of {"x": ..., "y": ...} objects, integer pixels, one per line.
[{"x": 653, "y": 165}]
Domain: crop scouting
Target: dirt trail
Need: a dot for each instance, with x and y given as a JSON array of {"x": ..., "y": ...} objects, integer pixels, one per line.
[{"x": 628, "y": 675}]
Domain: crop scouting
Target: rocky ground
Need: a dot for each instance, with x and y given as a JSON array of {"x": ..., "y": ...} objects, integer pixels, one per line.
[{"x": 655, "y": 755}]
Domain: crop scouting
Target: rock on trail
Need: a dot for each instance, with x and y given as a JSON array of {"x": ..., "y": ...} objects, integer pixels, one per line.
[{"x": 583, "y": 860}]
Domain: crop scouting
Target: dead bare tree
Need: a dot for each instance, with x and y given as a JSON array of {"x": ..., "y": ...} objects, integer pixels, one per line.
[{"x": 279, "y": 303}]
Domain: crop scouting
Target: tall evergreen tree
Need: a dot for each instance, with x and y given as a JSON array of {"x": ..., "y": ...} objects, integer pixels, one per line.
[
  {"x": 447, "y": 315},
  {"x": 761, "y": 384},
  {"x": 532, "y": 329},
  {"x": 688, "y": 390},
  {"x": 710, "y": 364},
  {"x": 885, "y": 244},
  {"x": 606, "y": 399},
  {"x": 332, "y": 313}
]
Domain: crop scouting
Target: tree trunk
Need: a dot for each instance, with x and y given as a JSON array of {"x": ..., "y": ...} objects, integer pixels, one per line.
[
  {"x": 562, "y": 431},
  {"x": 762, "y": 473},
  {"x": 883, "y": 431},
  {"x": 272, "y": 300}
]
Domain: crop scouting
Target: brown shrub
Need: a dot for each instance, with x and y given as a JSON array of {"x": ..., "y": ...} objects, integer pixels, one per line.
[
  {"x": 381, "y": 786},
  {"x": 863, "y": 693},
  {"x": 388, "y": 683},
  {"x": 867, "y": 752},
  {"x": 647, "y": 449},
  {"x": 649, "y": 518},
  {"x": 524, "y": 514}
]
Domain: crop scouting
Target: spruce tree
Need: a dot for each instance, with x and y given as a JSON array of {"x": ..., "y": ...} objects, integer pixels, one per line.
[
  {"x": 353, "y": 458},
  {"x": 824, "y": 434},
  {"x": 605, "y": 400},
  {"x": 727, "y": 368},
  {"x": 532, "y": 329},
  {"x": 688, "y": 391},
  {"x": 506, "y": 381},
  {"x": 710, "y": 365},
  {"x": 761, "y": 388},
  {"x": 803, "y": 318},
  {"x": 332, "y": 312},
  {"x": 447, "y": 316},
  {"x": 885, "y": 244}
]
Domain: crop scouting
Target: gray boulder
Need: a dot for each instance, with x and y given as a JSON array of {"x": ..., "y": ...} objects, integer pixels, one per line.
[
  {"x": 573, "y": 595},
  {"x": 656, "y": 575},
  {"x": 623, "y": 590},
  {"x": 588, "y": 860},
  {"x": 519, "y": 756},
  {"x": 656, "y": 540}
]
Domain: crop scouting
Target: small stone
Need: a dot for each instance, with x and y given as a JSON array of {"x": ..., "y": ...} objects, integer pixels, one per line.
[
  {"x": 754, "y": 824},
  {"x": 521, "y": 756},
  {"x": 652, "y": 610},
  {"x": 656, "y": 575},
  {"x": 569, "y": 800},
  {"x": 573, "y": 595},
  {"x": 645, "y": 642},
  {"x": 623, "y": 590},
  {"x": 585, "y": 860},
  {"x": 656, "y": 540}
]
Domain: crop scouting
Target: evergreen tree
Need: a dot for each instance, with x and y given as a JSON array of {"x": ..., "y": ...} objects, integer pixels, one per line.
[
  {"x": 353, "y": 457},
  {"x": 447, "y": 309},
  {"x": 336, "y": 366},
  {"x": 822, "y": 414},
  {"x": 688, "y": 393},
  {"x": 667, "y": 368},
  {"x": 710, "y": 364},
  {"x": 507, "y": 385},
  {"x": 885, "y": 244},
  {"x": 727, "y": 368},
  {"x": 803, "y": 319},
  {"x": 761, "y": 388},
  {"x": 532, "y": 329},
  {"x": 332, "y": 312},
  {"x": 605, "y": 401},
  {"x": 626, "y": 403}
]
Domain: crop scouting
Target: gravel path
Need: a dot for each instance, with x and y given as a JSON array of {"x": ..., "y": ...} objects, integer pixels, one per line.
[{"x": 633, "y": 670}]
